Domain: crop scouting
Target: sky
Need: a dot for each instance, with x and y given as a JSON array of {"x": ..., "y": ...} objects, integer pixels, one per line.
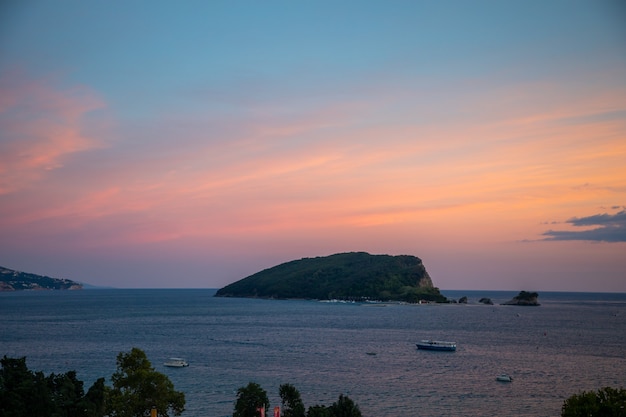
[{"x": 189, "y": 144}]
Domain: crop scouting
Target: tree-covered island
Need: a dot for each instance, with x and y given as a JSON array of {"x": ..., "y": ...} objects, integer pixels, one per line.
[{"x": 356, "y": 276}]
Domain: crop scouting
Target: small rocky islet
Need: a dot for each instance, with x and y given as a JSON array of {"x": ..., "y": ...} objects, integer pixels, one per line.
[{"x": 524, "y": 298}]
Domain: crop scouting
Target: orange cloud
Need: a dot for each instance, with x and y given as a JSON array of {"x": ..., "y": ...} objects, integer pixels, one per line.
[
  {"x": 465, "y": 176},
  {"x": 327, "y": 172}
]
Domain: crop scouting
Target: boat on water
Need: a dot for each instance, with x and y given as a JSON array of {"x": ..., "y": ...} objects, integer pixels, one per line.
[
  {"x": 436, "y": 345},
  {"x": 504, "y": 378},
  {"x": 176, "y": 363}
]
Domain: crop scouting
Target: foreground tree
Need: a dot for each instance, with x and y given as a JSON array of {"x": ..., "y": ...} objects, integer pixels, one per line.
[
  {"x": 137, "y": 388},
  {"x": 249, "y": 399},
  {"x": 318, "y": 411},
  {"x": 606, "y": 402},
  {"x": 291, "y": 400},
  {"x": 24, "y": 393},
  {"x": 252, "y": 397},
  {"x": 94, "y": 400},
  {"x": 67, "y": 394},
  {"x": 345, "y": 407}
]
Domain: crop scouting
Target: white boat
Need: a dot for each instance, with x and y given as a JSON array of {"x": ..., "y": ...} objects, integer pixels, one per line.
[
  {"x": 436, "y": 345},
  {"x": 504, "y": 378},
  {"x": 176, "y": 363}
]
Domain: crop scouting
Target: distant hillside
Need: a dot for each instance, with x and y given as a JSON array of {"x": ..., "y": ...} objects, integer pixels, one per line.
[
  {"x": 348, "y": 276},
  {"x": 11, "y": 280}
]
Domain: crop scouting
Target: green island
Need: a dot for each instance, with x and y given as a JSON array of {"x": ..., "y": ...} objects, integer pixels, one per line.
[
  {"x": 353, "y": 276},
  {"x": 11, "y": 280}
]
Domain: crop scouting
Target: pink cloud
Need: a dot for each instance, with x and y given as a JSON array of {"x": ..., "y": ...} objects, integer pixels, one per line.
[
  {"x": 325, "y": 172},
  {"x": 365, "y": 176},
  {"x": 41, "y": 124}
]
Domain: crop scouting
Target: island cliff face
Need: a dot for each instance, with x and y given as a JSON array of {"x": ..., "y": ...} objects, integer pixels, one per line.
[
  {"x": 11, "y": 280},
  {"x": 346, "y": 276}
]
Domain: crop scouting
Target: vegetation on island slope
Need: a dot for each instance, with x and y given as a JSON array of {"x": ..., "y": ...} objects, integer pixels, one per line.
[
  {"x": 345, "y": 276},
  {"x": 11, "y": 280}
]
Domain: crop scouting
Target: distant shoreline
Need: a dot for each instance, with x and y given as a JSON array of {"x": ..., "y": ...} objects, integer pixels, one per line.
[{"x": 497, "y": 296}]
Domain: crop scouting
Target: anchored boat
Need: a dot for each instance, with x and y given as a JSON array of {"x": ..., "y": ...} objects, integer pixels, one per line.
[
  {"x": 436, "y": 345},
  {"x": 176, "y": 363}
]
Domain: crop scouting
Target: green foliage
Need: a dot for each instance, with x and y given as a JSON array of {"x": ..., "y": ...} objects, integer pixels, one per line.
[
  {"x": 94, "y": 401},
  {"x": 24, "y": 393},
  {"x": 344, "y": 407},
  {"x": 606, "y": 402},
  {"x": 67, "y": 394},
  {"x": 137, "y": 388},
  {"x": 249, "y": 399},
  {"x": 291, "y": 400},
  {"x": 318, "y": 411},
  {"x": 349, "y": 276},
  {"x": 252, "y": 396}
]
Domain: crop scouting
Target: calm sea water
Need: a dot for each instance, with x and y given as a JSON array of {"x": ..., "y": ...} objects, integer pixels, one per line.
[{"x": 572, "y": 342}]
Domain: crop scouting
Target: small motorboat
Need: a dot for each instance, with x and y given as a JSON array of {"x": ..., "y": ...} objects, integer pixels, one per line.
[
  {"x": 437, "y": 345},
  {"x": 504, "y": 378},
  {"x": 176, "y": 363}
]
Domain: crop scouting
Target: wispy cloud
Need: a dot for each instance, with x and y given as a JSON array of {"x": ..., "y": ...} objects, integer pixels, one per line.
[
  {"x": 344, "y": 165},
  {"x": 610, "y": 228},
  {"x": 39, "y": 125}
]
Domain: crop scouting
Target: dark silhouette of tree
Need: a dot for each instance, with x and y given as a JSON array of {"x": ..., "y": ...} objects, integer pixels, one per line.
[
  {"x": 94, "y": 400},
  {"x": 606, "y": 402},
  {"x": 345, "y": 407},
  {"x": 318, "y": 411},
  {"x": 67, "y": 394},
  {"x": 291, "y": 400},
  {"x": 137, "y": 388},
  {"x": 23, "y": 393},
  {"x": 249, "y": 399},
  {"x": 252, "y": 397}
]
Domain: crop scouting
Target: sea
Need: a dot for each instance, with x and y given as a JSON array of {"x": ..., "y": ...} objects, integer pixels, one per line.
[{"x": 572, "y": 342}]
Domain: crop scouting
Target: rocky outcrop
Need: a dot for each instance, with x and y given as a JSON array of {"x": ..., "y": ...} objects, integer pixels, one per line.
[
  {"x": 485, "y": 300},
  {"x": 524, "y": 298}
]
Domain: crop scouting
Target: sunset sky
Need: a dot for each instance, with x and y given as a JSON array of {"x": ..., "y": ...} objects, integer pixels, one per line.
[{"x": 193, "y": 143}]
